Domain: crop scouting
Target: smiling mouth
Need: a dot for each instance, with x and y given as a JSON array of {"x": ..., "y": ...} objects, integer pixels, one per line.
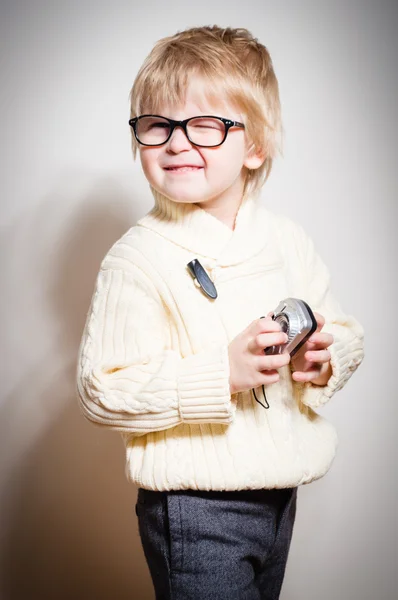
[{"x": 183, "y": 169}]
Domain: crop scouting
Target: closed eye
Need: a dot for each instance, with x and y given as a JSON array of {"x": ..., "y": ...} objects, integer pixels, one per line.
[{"x": 159, "y": 125}]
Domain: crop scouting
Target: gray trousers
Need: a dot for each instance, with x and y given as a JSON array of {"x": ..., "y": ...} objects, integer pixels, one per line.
[{"x": 202, "y": 545}]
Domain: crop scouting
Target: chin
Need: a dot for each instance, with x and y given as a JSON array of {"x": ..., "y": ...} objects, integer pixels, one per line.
[{"x": 182, "y": 196}]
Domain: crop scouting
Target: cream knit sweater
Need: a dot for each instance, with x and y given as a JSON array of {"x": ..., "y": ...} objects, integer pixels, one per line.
[{"x": 153, "y": 359}]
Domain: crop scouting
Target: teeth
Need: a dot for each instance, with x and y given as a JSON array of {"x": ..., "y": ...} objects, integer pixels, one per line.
[{"x": 183, "y": 168}]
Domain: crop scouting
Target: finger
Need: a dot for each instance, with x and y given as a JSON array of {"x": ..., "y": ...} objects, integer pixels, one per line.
[
  {"x": 320, "y": 319},
  {"x": 265, "y": 340},
  {"x": 304, "y": 376},
  {"x": 318, "y": 356},
  {"x": 266, "y": 325},
  {"x": 269, "y": 372},
  {"x": 268, "y": 377},
  {"x": 320, "y": 340},
  {"x": 273, "y": 361}
]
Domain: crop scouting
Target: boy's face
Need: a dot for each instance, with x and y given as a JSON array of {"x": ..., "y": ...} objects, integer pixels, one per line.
[{"x": 219, "y": 173}]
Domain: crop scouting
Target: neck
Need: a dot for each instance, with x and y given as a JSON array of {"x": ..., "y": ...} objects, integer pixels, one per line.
[
  {"x": 224, "y": 211},
  {"x": 226, "y": 215},
  {"x": 224, "y": 207}
]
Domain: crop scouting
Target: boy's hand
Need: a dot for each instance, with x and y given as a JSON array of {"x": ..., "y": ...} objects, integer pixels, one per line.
[
  {"x": 312, "y": 361},
  {"x": 249, "y": 366}
]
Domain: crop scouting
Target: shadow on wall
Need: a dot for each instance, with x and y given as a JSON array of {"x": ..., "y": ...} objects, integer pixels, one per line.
[{"x": 69, "y": 527}]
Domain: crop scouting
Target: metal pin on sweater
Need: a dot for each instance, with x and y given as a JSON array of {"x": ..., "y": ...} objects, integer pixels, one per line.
[{"x": 200, "y": 276}]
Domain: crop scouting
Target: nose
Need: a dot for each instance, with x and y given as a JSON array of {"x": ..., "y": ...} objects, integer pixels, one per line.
[{"x": 179, "y": 141}]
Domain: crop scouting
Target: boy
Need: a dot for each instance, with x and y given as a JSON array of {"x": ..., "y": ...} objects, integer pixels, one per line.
[{"x": 172, "y": 354}]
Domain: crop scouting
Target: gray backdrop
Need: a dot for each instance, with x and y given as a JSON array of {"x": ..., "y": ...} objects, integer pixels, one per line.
[{"x": 69, "y": 189}]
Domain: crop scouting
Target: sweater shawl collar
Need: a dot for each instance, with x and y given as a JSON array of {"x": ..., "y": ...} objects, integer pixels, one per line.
[{"x": 195, "y": 229}]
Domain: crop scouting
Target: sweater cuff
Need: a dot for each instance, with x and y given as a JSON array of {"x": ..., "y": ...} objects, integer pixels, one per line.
[
  {"x": 346, "y": 355},
  {"x": 203, "y": 388}
]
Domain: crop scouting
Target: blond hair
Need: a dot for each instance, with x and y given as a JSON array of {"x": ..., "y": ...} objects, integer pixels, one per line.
[{"x": 235, "y": 66}]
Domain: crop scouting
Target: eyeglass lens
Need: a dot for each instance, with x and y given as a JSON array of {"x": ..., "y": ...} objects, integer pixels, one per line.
[{"x": 205, "y": 131}]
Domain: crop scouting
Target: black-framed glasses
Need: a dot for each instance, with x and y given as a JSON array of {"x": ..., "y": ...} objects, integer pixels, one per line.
[{"x": 206, "y": 131}]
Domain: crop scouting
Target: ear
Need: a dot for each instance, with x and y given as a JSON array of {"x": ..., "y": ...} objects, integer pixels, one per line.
[{"x": 254, "y": 158}]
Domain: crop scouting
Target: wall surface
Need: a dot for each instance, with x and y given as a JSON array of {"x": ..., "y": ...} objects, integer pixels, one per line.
[{"x": 69, "y": 189}]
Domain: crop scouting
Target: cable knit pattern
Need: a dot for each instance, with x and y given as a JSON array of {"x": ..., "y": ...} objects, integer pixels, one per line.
[{"x": 153, "y": 358}]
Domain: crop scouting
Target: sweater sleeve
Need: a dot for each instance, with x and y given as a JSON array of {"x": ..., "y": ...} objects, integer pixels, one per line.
[
  {"x": 129, "y": 378},
  {"x": 347, "y": 350}
]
